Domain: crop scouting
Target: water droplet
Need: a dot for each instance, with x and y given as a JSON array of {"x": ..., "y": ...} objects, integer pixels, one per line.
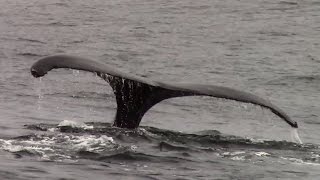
[{"x": 39, "y": 86}]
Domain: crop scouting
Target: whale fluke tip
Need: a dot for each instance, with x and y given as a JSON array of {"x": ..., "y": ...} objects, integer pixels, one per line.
[{"x": 34, "y": 73}]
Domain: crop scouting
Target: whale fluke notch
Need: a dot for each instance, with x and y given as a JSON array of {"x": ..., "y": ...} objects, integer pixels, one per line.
[{"x": 136, "y": 95}]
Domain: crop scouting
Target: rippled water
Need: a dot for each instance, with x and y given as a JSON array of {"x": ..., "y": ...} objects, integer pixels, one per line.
[{"x": 59, "y": 127}]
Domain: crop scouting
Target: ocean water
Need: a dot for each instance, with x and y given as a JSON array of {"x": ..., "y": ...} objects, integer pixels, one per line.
[{"x": 59, "y": 126}]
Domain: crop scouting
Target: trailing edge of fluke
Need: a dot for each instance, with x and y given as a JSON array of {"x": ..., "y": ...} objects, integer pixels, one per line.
[{"x": 136, "y": 95}]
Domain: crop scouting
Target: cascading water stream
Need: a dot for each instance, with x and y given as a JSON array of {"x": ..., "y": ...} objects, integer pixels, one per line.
[
  {"x": 39, "y": 89},
  {"x": 295, "y": 136}
]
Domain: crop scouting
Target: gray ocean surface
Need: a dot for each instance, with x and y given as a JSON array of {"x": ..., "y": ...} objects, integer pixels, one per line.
[{"x": 59, "y": 127}]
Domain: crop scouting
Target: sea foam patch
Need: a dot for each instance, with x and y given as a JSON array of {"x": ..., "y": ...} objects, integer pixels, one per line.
[
  {"x": 262, "y": 154},
  {"x": 74, "y": 124},
  {"x": 59, "y": 147}
]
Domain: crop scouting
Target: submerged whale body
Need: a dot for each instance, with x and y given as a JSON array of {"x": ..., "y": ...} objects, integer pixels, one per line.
[{"x": 136, "y": 95}]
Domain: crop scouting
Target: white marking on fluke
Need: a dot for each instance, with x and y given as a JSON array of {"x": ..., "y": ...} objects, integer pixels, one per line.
[{"x": 295, "y": 136}]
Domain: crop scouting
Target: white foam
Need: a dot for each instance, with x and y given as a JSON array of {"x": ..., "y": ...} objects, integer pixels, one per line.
[
  {"x": 133, "y": 147},
  {"x": 75, "y": 72},
  {"x": 92, "y": 143},
  {"x": 52, "y": 129},
  {"x": 238, "y": 158},
  {"x": 262, "y": 154},
  {"x": 13, "y": 146},
  {"x": 74, "y": 124},
  {"x": 233, "y": 153},
  {"x": 295, "y": 136},
  {"x": 61, "y": 146},
  {"x": 237, "y": 153}
]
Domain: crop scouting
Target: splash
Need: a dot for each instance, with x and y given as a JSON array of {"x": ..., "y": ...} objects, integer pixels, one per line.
[
  {"x": 74, "y": 124},
  {"x": 295, "y": 136}
]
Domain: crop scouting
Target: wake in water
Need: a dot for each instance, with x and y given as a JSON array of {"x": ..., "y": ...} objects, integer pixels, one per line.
[{"x": 70, "y": 141}]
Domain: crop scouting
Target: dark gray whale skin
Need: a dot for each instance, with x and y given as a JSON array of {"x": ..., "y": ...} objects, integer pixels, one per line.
[{"x": 136, "y": 95}]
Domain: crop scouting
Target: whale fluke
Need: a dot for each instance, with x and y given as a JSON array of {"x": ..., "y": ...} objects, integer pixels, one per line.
[{"x": 136, "y": 95}]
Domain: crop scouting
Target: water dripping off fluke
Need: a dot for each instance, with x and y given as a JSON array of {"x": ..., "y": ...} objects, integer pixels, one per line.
[
  {"x": 295, "y": 136},
  {"x": 39, "y": 92}
]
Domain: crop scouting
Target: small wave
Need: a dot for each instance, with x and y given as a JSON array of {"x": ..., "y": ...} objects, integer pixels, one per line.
[
  {"x": 61, "y": 24},
  {"x": 277, "y": 34},
  {"x": 138, "y": 156},
  {"x": 60, "y": 4},
  {"x": 301, "y": 161},
  {"x": 29, "y": 54},
  {"x": 245, "y": 155},
  {"x": 288, "y": 3},
  {"x": 31, "y": 40},
  {"x": 165, "y": 146},
  {"x": 288, "y": 80}
]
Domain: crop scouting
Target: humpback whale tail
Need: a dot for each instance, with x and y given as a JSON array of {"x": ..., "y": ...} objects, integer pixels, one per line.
[{"x": 136, "y": 95}]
